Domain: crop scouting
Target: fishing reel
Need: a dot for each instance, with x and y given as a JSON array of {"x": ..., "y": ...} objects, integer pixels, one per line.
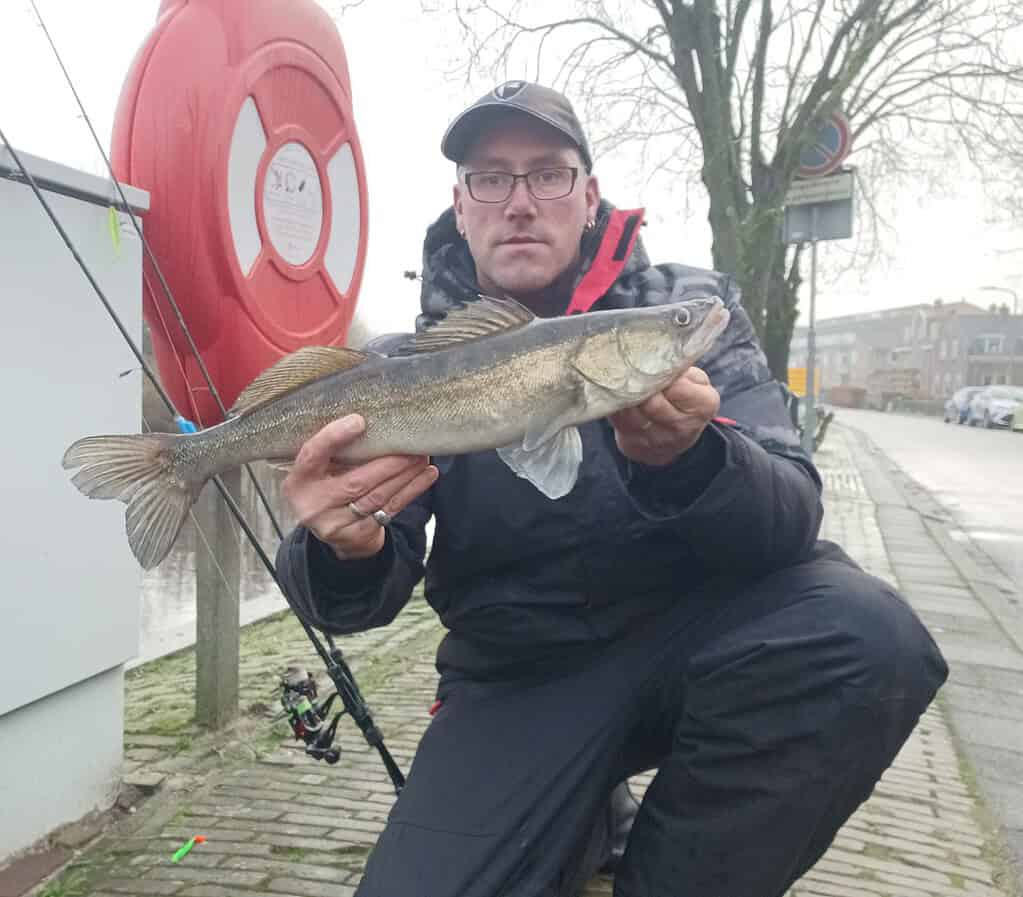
[{"x": 309, "y": 721}]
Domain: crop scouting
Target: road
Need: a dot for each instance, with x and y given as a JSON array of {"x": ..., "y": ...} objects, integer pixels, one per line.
[{"x": 976, "y": 474}]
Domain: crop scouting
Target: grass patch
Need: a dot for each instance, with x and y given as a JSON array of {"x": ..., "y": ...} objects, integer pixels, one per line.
[
  {"x": 288, "y": 853},
  {"x": 73, "y": 883}
]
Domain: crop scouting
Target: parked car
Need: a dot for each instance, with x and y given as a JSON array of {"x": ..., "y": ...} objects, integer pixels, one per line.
[
  {"x": 957, "y": 406},
  {"x": 995, "y": 406}
]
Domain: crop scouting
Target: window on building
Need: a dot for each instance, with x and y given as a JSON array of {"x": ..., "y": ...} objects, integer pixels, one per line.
[
  {"x": 943, "y": 349},
  {"x": 959, "y": 380},
  {"x": 935, "y": 329},
  {"x": 954, "y": 353},
  {"x": 1001, "y": 380},
  {"x": 987, "y": 344}
]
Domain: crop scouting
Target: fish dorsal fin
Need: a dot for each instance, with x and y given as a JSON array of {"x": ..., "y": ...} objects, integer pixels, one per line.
[
  {"x": 484, "y": 317},
  {"x": 295, "y": 370}
]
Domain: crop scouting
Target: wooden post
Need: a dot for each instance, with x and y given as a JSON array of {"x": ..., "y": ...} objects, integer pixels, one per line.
[{"x": 218, "y": 622}]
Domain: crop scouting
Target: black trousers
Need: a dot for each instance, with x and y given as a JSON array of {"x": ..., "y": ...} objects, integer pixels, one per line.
[{"x": 769, "y": 716}]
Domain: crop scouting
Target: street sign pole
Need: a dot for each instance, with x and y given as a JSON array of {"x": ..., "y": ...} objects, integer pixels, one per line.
[
  {"x": 817, "y": 208},
  {"x": 810, "y": 420}
]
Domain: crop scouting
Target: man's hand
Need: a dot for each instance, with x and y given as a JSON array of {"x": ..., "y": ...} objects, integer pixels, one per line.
[
  {"x": 336, "y": 504},
  {"x": 668, "y": 424}
]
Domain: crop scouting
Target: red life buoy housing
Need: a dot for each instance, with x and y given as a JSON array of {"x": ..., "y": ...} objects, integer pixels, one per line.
[{"x": 236, "y": 117}]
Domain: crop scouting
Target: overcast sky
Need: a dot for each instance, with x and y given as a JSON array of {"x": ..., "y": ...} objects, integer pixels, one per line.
[{"x": 398, "y": 57}]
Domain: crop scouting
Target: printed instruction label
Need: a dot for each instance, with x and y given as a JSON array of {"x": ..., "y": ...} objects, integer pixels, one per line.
[{"x": 293, "y": 203}]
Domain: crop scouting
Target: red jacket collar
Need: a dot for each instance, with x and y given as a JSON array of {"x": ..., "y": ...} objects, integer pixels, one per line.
[{"x": 620, "y": 235}]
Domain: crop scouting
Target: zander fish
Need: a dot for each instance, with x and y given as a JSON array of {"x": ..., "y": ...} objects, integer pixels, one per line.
[{"x": 490, "y": 375}]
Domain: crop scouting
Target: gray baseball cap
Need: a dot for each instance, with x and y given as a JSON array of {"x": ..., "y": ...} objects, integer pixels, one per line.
[{"x": 542, "y": 103}]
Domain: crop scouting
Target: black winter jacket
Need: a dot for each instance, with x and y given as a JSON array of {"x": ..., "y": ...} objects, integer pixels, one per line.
[{"x": 517, "y": 577}]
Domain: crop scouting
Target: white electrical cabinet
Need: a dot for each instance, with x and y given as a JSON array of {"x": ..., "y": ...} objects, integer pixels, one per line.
[{"x": 69, "y": 586}]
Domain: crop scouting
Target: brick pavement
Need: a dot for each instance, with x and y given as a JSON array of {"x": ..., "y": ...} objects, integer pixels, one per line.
[{"x": 279, "y": 824}]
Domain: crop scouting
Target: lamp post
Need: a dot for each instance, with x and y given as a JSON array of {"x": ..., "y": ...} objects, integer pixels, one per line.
[{"x": 1015, "y": 297}]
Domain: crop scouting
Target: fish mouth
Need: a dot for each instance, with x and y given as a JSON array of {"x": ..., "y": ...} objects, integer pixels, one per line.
[{"x": 709, "y": 329}]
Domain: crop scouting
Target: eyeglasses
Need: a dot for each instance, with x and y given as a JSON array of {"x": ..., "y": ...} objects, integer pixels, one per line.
[{"x": 543, "y": 183}]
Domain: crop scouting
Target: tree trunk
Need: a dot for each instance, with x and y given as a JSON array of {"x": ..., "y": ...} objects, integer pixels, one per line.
[
  {"x": 747, "y": 242},
  {"x": 724, "y": 222}
]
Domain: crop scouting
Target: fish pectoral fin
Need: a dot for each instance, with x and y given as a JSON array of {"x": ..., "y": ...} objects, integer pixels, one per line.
[
  {"x": 295, "y": 370},
  {"x": 551, "y": 466}
]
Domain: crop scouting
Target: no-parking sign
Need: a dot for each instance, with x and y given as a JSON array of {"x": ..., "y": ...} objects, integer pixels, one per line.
[{"x": 828, "y": 148}]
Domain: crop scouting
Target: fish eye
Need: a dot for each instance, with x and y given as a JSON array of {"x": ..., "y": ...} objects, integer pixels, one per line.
[{"x": 682, "y": 317}]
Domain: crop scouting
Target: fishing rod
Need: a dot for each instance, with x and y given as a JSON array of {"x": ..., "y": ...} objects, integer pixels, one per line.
[
  {"x": 152, "y": 259},
  {"x": 308, "y": 721}
]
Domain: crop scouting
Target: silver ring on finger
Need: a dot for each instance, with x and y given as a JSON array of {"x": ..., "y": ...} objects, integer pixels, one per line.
[
  {"x": 647, "y": 425},
  {"x": 382, "y": 517},
  {"x": 357, "y": 511}
]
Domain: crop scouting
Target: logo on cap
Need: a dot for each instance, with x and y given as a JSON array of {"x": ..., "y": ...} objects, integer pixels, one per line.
[{"x": 509, "y": 89}]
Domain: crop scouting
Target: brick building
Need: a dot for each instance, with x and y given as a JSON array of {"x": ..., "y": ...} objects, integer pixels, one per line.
[{"x": 923, "y": 351}]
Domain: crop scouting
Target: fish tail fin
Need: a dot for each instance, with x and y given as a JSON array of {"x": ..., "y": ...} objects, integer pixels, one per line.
[{"x": 140, "y": 471}]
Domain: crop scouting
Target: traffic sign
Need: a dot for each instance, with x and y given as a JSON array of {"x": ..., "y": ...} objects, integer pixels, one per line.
[
  {"x": 820, "y": 208},
  {"x": 831, "y": 188},
  {"x": 827, "y": 148}
]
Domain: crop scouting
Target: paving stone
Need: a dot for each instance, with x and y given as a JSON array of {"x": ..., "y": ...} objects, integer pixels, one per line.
[
  {"x": 311, "y": 889},
  {"x": 144, "y": 754},
  {"x": 239, "y": 812},
  {"x": 197, "y": 858},
  {"x": 143, "y": 886},
  {"x": 140, "y": 739},
  {"x": 295, "y": 842},
  {"x": 225, "y": 835},
  {"x": 144, "y": 780},
  {"x": 857, "y": 886},
  {"x": 338, "y": 821},
  {"x": 299, "y": 869},
  {"x": 223, "y": 876}
]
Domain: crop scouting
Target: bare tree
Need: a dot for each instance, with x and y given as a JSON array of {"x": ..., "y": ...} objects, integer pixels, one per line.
[{"x": 735, "y": 89}]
